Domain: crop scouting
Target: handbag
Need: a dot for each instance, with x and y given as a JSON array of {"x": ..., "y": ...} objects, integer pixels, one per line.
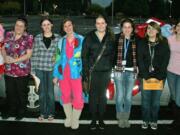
[
  {"x": 86, "y": 84},
  {"x": 153, "y": 84}
]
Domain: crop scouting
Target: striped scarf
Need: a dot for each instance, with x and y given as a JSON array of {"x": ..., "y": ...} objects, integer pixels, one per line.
[{"x": 120, "y": 52}]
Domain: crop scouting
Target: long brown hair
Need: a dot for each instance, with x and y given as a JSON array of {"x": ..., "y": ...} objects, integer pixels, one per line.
[
  {"x": 156, "y": 26},
  {"x": 62, "y": 25},
  {"x": 108, "y": 29}
]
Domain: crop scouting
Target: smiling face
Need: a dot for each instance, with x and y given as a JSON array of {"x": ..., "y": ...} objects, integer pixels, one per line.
[
  {"x": 127, "y": 29},
  {"x": 101, "y": 24},
  {"x": 152, "y": 32},
  {"x": 20, "y": 27},
  {"x": 46, "y": 26},
  {"x": 68, "y": 27}
]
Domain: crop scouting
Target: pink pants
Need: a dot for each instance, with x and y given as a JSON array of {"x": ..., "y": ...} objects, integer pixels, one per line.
[{"x": 71, "y": 90}]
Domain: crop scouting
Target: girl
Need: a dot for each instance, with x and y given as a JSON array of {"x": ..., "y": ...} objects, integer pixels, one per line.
[
  {"x": 42, "y": 63},
  {"x": 68, "y": 72},
  {"x": 153, "y": 58},
  {"x": 125, "y": 72},
  {"x": 17, "y": 50},
  {"x": 100, "y": 76},
  {"x": 173, "y": 75}
]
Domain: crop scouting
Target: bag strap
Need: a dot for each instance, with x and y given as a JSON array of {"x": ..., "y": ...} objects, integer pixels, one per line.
[{"x": 98, "y": 57}]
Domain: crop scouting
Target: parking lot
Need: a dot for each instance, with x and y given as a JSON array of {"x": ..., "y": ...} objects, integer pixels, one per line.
[{"x": 83, "y": 25}]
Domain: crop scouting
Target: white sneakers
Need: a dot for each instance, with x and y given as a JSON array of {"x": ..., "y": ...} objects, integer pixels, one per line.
[
  {"x": 153, "y": 125},
  {"x": 144, "y": 125}
]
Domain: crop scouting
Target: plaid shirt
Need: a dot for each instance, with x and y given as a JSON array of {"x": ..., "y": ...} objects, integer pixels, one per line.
[{"x": 43, "y": 58}]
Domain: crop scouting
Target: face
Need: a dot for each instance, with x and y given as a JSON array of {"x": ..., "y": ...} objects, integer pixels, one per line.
[
  {"x": 151, "y": 32},
  {"x": 20, "y": 27},
  {"x": 68, "y": 27},
  {"x": 101, "y": 25},
  {"x": 127, "y": 29},
  {"x": 177, "y": 29},
  {"x": 46, "y": 26}
]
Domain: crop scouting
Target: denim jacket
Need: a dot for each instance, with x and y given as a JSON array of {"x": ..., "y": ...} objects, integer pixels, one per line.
[{"x": 75, "y": 62}]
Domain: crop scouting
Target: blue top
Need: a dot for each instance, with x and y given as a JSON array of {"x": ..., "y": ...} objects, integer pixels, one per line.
[{"x": 75, "y": 62}]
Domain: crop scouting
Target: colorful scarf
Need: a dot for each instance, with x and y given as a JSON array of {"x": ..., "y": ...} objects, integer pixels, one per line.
[{"x": 120, "y": 54}]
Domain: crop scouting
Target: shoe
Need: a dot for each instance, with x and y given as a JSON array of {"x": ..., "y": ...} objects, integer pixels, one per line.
[
  {"x": 41, "y": 118},
  {"x": 153, "y": 125},
  {"x": 127, "y": 124},
  {"x": 5, "y": 116},
  {"x": 9, "y": 113},
  {"x": 101, "y": 125},
  {"x": 50, "y": 118},
  {"x": 93, "y": 125},
  {"x": 144, "y": 125},
  {"x": 75, "y": 119},
  {"x": 20, "y": 114},
  {"x": 121, "y": 123},
  {"x": 19, "y": 117}
]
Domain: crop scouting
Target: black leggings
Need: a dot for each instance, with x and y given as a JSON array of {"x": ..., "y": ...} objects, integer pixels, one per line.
[
  {"x": 16, "y": 90},
  {"x": 97, "y": 95}
]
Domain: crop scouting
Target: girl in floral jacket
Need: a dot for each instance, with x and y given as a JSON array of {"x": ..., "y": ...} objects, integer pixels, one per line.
[
  {"x": 67, "y": 73},
  {"x": 2, "y": 87},
  {"x": 17, "y": 52},
  {"x": 1, "y": 57}
]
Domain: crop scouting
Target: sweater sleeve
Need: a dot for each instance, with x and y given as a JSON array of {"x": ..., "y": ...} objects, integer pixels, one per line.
[
  {"x": 165, "y": 61},
  {"x": 34, "y": 56},
  {"x": 141, "y": 64},
  {"x": 85, "y": 58}
]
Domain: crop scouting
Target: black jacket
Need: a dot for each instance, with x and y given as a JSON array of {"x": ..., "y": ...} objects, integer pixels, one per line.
[
  {"x": 160, "y": 61},
  {"x": 91, "y": 49}
]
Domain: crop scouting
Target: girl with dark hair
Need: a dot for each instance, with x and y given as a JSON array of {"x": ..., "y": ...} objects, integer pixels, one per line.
[
  {"x": 93, "y": 44},
  {"x": 153, "y": 59},
  {"x": 17, "y": 51},
  {"x": 42, "y": 63},
  {"x": 173, "y": 75},
  {"x": 67, "y": 73},
  {"x": 125, "y": 72}
]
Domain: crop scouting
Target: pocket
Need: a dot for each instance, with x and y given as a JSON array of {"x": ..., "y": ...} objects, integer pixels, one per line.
[{"x": 117, "y": 75}]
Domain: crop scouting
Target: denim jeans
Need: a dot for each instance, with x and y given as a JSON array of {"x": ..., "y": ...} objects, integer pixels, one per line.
[
  {"x": 174, "y": 87},
  {"x": 150, "y": 102},
  {"x": 46, "y": 93},
  {"x": 124, "y": 82}
]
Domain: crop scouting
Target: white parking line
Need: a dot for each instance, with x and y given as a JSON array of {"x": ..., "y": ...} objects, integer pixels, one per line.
[{"x": 83, "y": 122}]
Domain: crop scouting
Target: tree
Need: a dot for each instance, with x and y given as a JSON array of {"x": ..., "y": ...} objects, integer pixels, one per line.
[
  {"x": 158, "y": 8},
  {"x": 175, "y": 9},
  {"x": 118, "y": 5},
  {"x": 10, "y": 7},
  {"x": 95, "y": 9},
  {"x": 136, "y": 8}
]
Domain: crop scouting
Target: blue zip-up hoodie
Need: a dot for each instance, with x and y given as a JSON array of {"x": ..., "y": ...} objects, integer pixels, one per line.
[{"x": 75, "y": 62}]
